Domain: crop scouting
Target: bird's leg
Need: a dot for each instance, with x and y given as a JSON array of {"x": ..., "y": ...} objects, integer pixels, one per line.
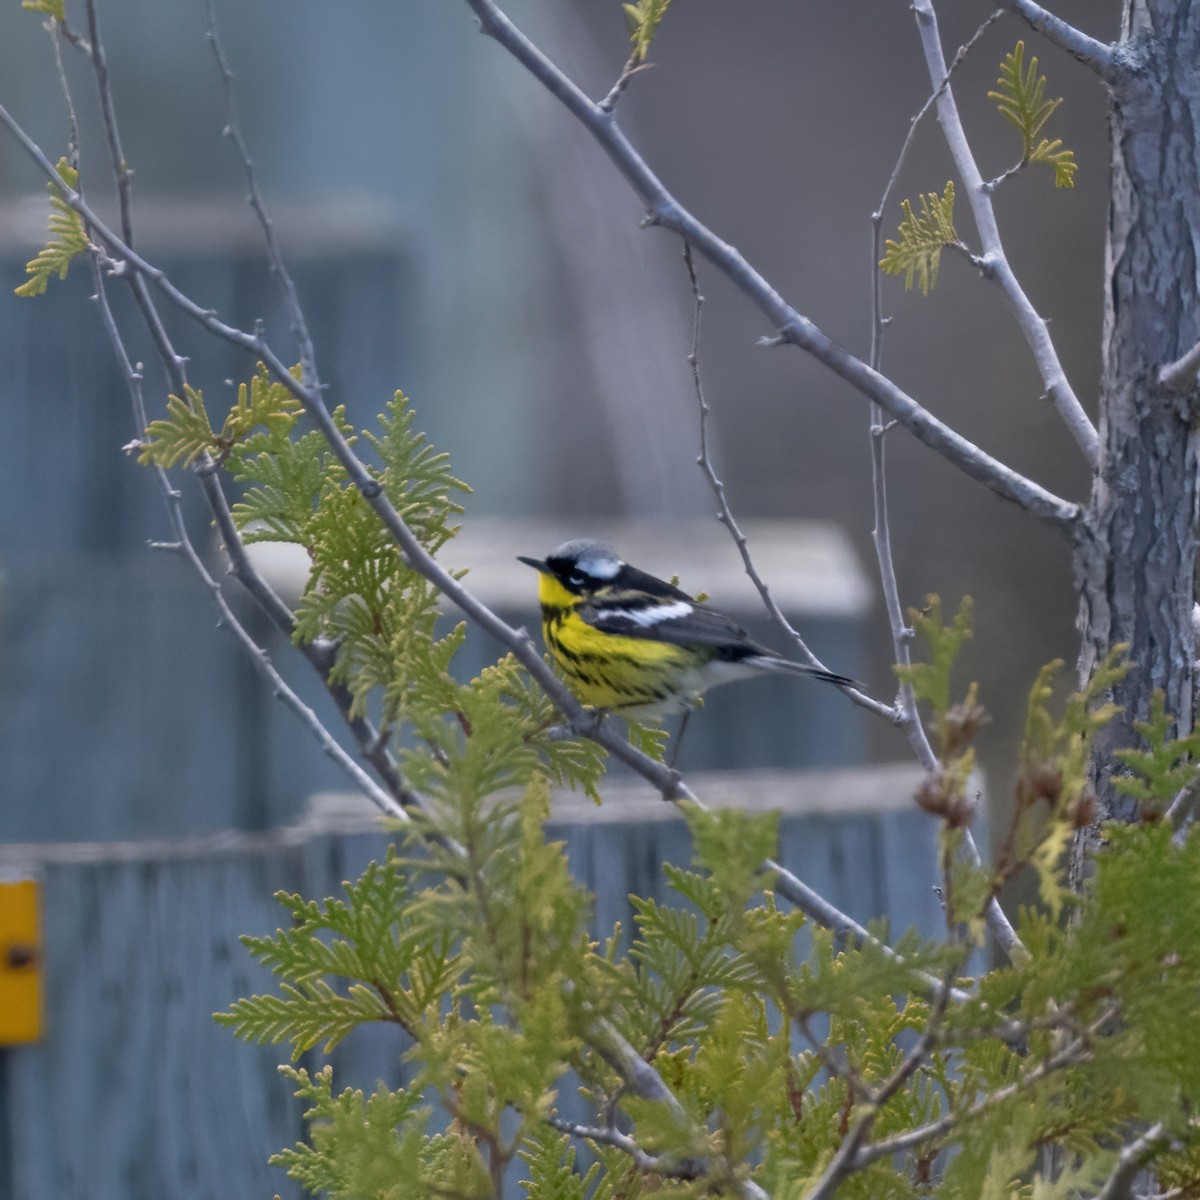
[{"x": 683, "y": 722}]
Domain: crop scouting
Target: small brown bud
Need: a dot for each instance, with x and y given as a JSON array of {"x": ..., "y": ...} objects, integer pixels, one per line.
[
  {"x": 1041, "y": 782},
  {"x": 931, "y": 794},
  {"x": 936, "y": 795},
  {"x": 961, "y": 724},
  {"x": 962, "y": 810},
  {"x": 1084, "y": 809}
]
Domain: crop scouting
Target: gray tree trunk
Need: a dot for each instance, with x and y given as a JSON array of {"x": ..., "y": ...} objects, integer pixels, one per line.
[{"x": 1136, "y": 557}]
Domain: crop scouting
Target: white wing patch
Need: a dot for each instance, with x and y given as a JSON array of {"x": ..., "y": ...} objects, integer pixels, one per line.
[{"x": 646, "y": 617}]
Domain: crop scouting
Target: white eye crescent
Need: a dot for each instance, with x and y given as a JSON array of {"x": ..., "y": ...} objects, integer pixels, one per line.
[{"x": 597, "y": 568}]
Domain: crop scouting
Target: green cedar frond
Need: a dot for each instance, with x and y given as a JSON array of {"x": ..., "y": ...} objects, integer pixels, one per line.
[
  {"x": 650, "y": 739},
  {"x": 288, "y": 475},
  {"x": 1052, "y": 785},
  {"x": 304, "y": 1015},
  {"x": 732, "y": 847},
  {"x": 397, "y": 968},
  {"x": 968, "y": 886},
  {"x": 1063, "y": 161},
  {"x": 182, "y": 435},
  {"x": 1020, "y": 99},
  {"x": 53, "y": 8},
  {"x": 845, "y": 984},
  {"x": 642, "y": 19},
  {"x": 265, "y": 402},
  {"x": 918, "y": 253},
  {"x": 1165, "y": 766},
  {"x": 416, "y": 477},
  {"x": 575, "y": 763},
  {"x": 67, "y": 235},
  {"x": 186, "y": 432},
  {"x": 360, "y": 1146},
  {"x": 551, "y": 1161},
  {"x": 931, "y": 681}
]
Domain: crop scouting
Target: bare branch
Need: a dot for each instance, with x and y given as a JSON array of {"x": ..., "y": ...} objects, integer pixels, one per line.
[
  {"x": 1097, "y": 55},
  {"x": 725, "y": 512},
  {"x": 907, "y": 716},
  {"x": 1133, "y": 1157},
  {"x": 792, "y": 327},
  {"x": 993, "y": 261},
  {"x": 648, "y": 1163},
  {"x": 623, "y": 1142},
  {"x": 121, "y": 172},
  {"x": 372, "y": 748},
  {"x": 387, "y": 804},
  {"x": 845, "y": 1159},
  {"x": 1077, "y": 1050},
  {"x": 1183, "y": 375},
  {"x": 233, "y": 129}
]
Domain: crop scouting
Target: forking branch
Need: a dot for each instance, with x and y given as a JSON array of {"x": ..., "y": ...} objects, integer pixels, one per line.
[
  {"x": 663, "y": 209},
  {"x": 993, "y": 262},
  {"x": 1093, "y": 53}
]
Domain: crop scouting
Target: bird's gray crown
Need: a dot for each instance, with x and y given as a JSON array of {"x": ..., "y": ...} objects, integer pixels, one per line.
[{"x": 588, "y": 555}]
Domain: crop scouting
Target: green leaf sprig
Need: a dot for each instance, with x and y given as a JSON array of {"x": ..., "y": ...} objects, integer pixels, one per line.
[
  {"x": 923, "y": 235},
  {"x": 1020, "y": 98}
]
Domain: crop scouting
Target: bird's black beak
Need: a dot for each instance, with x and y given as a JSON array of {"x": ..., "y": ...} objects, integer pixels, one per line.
[{"x": 535, "y": 563}]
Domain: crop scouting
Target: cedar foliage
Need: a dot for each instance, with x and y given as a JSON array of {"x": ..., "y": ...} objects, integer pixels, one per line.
[{"x": 777, "y": 1042}]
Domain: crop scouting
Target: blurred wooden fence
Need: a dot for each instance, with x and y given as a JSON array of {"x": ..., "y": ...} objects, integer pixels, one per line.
[{"x": 133, "y": 1093}]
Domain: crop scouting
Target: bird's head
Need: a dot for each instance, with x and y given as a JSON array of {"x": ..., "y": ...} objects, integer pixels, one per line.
[{"x": 580, "y": 567}]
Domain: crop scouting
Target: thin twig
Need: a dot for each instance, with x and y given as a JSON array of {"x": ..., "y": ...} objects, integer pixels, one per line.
[
  {"x": 665, "y": 210},
  {"x": 1093, "y": 53},
  {"x": 56, "y": 28},
  {"x": 372, "y": 747},
  {"x": 1133, "y": 1157},
  {"x": 254, "y": 197},
  {"x": 845, "y": 1158},
  {"x": 647, "y": 1163},
  {"x": 1183, "y": 375},
  {"x": 993, "y": 261},
  {"x": 121, "y": 172},
  {"x": 258, "y": 656},
  {"x": 632, "y": 67},
  {"x": 623, "y": 1142},
  {"x": 907, "y": 715},
  {"x": 1076, "y": 1051},
  {"x": 838, "y": 1068},
  {"x": 725, "y": 512}
]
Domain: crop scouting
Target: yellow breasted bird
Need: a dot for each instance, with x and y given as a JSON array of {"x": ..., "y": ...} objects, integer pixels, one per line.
[{"x": 627, "y": 642}]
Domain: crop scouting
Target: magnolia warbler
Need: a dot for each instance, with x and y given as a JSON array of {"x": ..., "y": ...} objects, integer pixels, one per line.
[{"x": 629, "y": 643}]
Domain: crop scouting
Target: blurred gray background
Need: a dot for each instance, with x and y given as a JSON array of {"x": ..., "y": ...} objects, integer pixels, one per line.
[{"x": 456, "y": 234}]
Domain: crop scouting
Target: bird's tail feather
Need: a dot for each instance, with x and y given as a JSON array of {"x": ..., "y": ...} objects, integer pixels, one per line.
[{"x": 768, "y": 662}]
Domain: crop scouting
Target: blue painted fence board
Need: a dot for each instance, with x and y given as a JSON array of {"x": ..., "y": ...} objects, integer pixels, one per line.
[{"x": 134, "y": 1092}]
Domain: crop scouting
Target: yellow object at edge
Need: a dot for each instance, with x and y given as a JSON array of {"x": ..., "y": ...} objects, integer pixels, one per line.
[{"x": 20, "y": 963}]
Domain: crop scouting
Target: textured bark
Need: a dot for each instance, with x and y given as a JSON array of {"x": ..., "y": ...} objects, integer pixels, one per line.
[{"x": 1135, "y": 558}]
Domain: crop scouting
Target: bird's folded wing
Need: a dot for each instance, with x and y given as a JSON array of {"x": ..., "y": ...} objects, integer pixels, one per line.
[{"x": 680, "y": 622}]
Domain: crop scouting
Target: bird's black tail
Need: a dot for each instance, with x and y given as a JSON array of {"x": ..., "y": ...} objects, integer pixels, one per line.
[{"x": 769, "y": 662}]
